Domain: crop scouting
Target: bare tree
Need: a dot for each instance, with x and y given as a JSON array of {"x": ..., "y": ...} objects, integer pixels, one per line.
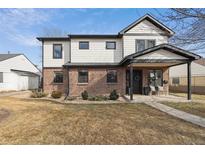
[{"x": 189, "y": 25}]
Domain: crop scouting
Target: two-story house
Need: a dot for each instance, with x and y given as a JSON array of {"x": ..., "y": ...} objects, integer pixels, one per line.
[{"x": 136, "y": 57}]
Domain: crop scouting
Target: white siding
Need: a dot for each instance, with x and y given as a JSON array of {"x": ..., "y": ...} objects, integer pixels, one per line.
[
  {"x": 14, "y": 81},
  {"x": 19, "y": 63},
  {"x": 181, "y": 70},
  {"x": 130, "y": 46},
  {"x": 48, "y": 54},
  {"x": 161, "y": 54},
  {"x": 97, "y": 52},
  {"x": 145, "y": 27}
]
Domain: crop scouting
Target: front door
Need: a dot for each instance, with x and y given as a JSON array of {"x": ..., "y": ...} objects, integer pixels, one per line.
[{"x": 137, "y": 81}]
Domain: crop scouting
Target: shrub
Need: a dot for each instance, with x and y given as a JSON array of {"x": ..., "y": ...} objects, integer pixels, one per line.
[
  {"x": 92, "y": 98},
  {"x": 56, "y": 94},
  {"x": 114, "y": 95},
  {"x": 84, "y": 95},
  {"x": 97, "y": 98},
  {"x": 38, "y": 94}
]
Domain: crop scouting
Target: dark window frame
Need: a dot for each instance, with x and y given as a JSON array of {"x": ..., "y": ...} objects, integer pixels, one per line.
[
  {"x": 2, "y": 79},
  {"x": 112, "y": 82},
  {"x": 61, "y": 51},
  {"x": 58, "y": 72},
  {"x": 145, "y": 43},
  {"x": 82, "y": 82},
  {"x": 174, "y": 79},
  {"x": 84, "y": 42},
  {"x": 110, "y": 42}
]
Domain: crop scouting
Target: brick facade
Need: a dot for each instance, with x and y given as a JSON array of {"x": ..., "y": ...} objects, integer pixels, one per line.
[
  {"x": 97, "y": 84},
  {"x": 48, "y": 76}
]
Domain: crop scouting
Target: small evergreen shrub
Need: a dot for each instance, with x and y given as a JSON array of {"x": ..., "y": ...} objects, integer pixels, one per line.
[
  {"x": 38, "y": 94},
  {"x": 84, "y": 95},
  {"x": 114, "y": 95},
  {"x": 97, "y": 98},
  {"x": 56, "y": 94}
]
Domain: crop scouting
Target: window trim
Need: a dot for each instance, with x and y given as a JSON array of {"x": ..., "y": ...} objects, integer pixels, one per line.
[
  {"x": 54, "y": 77},
  {"x": 84, "y": 48},
  {"x": 116, "y": 76},
  {"x": 61, "y": 51},
  {"x": 81, "y": 83},
  {"x": 110, "y": 42},
  {"x": 146, "y": 43}
]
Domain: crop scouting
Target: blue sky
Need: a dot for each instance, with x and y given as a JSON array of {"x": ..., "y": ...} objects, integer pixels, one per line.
[{"x": 20, "y": 27}]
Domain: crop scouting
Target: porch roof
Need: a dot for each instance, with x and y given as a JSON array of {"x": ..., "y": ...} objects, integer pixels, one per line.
[{"x": 140, "y": 57}]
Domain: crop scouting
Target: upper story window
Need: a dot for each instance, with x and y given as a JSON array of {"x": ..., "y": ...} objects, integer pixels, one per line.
[
  {"x": 144, "y": 44},
  {"x": 57, "y": 51},
  {"x": 111, "y": 76},
  {"x": 1, "y": 77},
  {"x": 110, "y": 45},
  {"x": 58, "y": 77},
  {"x": 83, "y": 76},
  {"x": 84, "y": 45}
]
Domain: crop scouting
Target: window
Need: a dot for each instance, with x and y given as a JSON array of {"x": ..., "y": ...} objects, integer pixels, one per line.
[
  {"x": 111, "y": 76},
  {"x": 83, "y": 45},
  {"x": 110, "y": 45},
  {"x": 58, "y": 77},
  {"x": 150, "y": 43},
  {"x": 175, "y": 80},
  {"x": 140, "y": 45},
  {"x": 57, "y": 51},
  {"x": 156, "y": 78},
  {"x": 144, "y": 44},
  {"x": 1, "y": 77},
  {"x": 83, "y": 76}
]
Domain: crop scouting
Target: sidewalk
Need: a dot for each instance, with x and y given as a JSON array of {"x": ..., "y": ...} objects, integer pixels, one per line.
[{"x": 177, "y": 113}]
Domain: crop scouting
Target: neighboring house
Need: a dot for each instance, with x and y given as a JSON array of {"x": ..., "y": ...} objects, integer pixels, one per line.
[
  {"x": 178, "y": 77},
  {"x": 18, "y": 73},
  {"x": 127, "y": 61}
]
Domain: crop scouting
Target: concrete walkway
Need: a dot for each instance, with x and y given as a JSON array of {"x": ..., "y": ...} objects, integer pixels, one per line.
[{"x": 178, "y": 113}]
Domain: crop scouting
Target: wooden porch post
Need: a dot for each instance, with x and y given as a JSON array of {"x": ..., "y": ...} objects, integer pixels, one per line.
[
  {"x": 189, "y": 80},
  {"x": 131, "y": 82}
]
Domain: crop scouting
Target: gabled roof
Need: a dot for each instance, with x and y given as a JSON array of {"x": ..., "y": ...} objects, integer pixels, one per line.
[
  {"x": 168, "y": 47},
  {"x": 152, "y": 20},
  {"x": 7, "y": 56}
]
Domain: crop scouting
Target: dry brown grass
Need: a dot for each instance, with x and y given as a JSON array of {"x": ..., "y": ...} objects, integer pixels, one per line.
[
  {"x": 194, "y": 96},
  {"x": 189, "y": 107},
  {"x": 38, "y": 122}
]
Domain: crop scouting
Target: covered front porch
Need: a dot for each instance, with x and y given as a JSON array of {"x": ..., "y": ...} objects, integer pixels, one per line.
[{"x": 147, "y": 71}]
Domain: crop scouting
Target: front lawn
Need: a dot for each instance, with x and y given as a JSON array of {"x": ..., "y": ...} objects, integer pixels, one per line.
[
  {"x": 43, "y": 122},
  {"x": 194, "y": 96},
  {"x": 189, "y": 107}
]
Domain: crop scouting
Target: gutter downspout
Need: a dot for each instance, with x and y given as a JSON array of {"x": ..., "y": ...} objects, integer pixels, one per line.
[{"x": 67, "y": 94}]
